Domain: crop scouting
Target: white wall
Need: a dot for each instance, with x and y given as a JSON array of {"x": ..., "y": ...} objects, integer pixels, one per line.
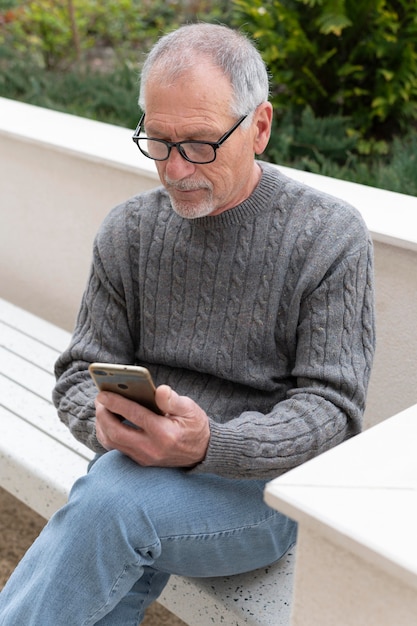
[
  {"x": 61, "y": 174},
  {"x": 394, "y": 377},
  {"x": 334, "y": 587}
]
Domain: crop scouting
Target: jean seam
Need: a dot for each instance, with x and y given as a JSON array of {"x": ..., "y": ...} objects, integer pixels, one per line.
[
  {"x": 219, "y": 533},
  {"x": 93, "y": 616}
]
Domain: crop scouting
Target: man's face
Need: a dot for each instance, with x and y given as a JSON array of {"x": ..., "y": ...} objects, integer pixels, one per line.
[{"x": 197, "y": 107}]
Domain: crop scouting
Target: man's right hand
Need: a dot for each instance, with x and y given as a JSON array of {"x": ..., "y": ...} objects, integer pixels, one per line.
[{"x": 179, "y": 438}]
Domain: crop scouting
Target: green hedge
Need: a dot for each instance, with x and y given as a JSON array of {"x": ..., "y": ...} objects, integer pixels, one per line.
[
  {"x": 344, "y": 72},
  {"x": 355, "y": 59}
]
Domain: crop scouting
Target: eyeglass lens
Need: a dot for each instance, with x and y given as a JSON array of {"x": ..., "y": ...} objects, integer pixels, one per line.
[{"x": 194, "y": 151}]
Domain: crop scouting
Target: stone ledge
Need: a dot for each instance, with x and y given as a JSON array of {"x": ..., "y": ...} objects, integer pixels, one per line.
[{"x": 391, "y": 217}]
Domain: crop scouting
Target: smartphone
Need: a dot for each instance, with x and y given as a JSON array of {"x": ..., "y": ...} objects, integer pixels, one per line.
[{"x": 131, "y": 381}]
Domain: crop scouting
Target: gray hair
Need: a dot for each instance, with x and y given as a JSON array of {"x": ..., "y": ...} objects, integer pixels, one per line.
[{"x": 229, "y": 50}]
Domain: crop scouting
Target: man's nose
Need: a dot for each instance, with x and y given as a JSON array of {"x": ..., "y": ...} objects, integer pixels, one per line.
[{"x": 176, "y": 167}]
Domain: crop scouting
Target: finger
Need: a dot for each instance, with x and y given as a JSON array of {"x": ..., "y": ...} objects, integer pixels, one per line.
[
  {"x": 104, "y": 423},
  {"x": 170, "y": 402},
  {"x": 121, "y": 406},
  {"x": 111, "y": 401}
]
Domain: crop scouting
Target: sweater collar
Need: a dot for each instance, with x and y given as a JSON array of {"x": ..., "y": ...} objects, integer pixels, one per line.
[{"x": 258, "y": 202}]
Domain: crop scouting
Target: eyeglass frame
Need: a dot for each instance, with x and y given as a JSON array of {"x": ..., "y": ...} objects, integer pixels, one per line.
[{"x": 177, "y": 144}]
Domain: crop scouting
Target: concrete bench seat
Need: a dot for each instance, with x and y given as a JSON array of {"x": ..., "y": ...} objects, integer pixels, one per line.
[{"x": 40, "y": 460}]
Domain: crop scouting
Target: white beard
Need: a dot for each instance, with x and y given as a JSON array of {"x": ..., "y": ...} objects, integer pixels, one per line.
[
  {"x": 191, "y": 211},
  {"x": 187, "y": 209}
]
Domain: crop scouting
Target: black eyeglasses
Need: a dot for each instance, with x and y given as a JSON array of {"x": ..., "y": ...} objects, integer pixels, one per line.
[{"x": 199, "y": 152}]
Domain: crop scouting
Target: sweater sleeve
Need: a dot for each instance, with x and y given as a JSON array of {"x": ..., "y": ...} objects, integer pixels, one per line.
[{"x": 325, "y": 405}]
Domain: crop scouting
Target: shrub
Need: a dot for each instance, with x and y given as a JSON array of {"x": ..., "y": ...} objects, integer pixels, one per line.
[
  {"x": 55, "y": 34},
  {"x": 327, "y": 119},
  {"x": 42, "y": 32},
  {"x": 315, "y": 139},
  {"x": 105, "y": 96},
  {"x": 355, "y": 59}
]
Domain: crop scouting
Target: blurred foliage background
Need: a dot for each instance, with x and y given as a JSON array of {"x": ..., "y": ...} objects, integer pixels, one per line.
[{"x": 343, "y": 72}]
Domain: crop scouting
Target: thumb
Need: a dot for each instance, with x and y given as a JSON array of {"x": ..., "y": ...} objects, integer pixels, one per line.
[{"x": 170, "y": 402}]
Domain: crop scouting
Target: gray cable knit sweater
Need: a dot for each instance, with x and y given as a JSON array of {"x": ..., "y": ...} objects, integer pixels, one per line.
[{"x": 262, "y": 314}]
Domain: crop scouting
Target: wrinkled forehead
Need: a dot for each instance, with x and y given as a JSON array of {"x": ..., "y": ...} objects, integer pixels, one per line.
[{"x": 198, "y": 79}]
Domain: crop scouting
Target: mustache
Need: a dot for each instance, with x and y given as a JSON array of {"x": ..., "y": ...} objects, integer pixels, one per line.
[{"x": 186, "y": 184}]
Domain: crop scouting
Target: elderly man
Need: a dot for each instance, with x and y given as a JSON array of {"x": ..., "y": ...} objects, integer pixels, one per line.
[{"x": 249, "y": 297}]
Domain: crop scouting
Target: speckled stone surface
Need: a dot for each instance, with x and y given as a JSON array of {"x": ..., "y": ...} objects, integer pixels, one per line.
[{"x": 262, "y": 597}]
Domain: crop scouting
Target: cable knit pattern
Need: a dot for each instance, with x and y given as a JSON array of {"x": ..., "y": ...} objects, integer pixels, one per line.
[{"x": 263, "y": 314}]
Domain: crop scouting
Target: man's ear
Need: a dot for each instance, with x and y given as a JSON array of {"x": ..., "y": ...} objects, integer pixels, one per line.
[{"x": 262, "y": 122}]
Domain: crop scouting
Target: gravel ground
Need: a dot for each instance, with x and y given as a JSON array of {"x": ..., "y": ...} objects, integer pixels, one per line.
[{"x": 19, "y": 526}]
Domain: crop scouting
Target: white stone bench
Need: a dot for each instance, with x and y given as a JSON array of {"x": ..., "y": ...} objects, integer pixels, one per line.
[
  {"x": 40, "y": 460},
  {"x": 356, "y": 508}
]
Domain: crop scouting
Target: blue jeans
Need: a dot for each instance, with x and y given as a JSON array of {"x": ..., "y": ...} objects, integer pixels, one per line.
[{"x": 108, "y": 553}]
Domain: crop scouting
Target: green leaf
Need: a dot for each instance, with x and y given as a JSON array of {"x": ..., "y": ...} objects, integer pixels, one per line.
[{"x": 332, "y": 23}]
